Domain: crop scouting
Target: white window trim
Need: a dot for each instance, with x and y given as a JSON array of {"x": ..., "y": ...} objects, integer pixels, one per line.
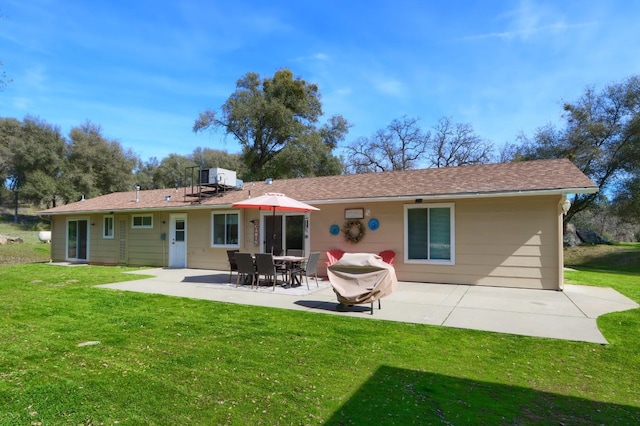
[
  {"x": 133, "y": 226},
  {"x": 104, "y": 228},
  {"x": 230, "y": 246},
  {"x": 452, "y": 223}
]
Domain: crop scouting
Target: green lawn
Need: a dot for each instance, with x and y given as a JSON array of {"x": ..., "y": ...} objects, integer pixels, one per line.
[
  {"x": 165, "y": 360},
  {"x": 32, "y": 250}
]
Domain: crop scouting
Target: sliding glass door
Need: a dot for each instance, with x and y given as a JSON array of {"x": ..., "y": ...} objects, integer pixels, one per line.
[{"x": 77, "y": 239}]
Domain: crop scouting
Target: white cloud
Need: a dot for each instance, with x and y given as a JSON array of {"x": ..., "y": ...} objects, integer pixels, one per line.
[
  {"x": 390, "y": 87},
  {"x": 528, "y": 20}
]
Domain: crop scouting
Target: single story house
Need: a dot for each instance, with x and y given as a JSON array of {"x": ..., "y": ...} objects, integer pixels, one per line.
[{"x": 492, "y": 225}]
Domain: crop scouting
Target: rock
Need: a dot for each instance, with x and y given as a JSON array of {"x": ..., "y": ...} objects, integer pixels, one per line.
[
  {"x": 571, "y": 238},
  {"x": 574, "y": 237},
  {"x": 590, "y": 237},
  {"x": 4, "y": 239}
]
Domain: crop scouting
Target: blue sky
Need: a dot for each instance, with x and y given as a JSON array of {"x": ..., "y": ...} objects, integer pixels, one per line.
[{"x": 143, "y": 70}]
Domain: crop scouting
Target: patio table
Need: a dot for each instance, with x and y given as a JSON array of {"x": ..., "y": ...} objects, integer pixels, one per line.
[{"x": 291, "y": 262}]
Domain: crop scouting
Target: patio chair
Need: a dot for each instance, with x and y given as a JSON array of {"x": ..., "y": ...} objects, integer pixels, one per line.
[
  {"x": 233, "y": 266},
  {"x": 246, "y": 268},
  {"x": 309, "y": 269},
  {"x": 266, "y": 266},
  {"x": 334, "y": 255},
  {"x": 388, "y": 256}
]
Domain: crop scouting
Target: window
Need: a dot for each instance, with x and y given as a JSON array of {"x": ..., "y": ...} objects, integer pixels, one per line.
[
  {"x": 429, "y": 233},
  {"x": 107, "y": 227},
  {"x": 225, "y": 230},
  {"x": 142, "y": 221}
]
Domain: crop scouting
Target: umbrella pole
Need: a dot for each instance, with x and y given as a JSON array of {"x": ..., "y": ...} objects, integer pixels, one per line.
[{"x": 273, "y": 228}]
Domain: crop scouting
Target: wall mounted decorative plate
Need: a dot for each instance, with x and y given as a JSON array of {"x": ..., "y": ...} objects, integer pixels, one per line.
[
  {"x": 374, "y": 224},
  {"x": 334, "y": 230}
]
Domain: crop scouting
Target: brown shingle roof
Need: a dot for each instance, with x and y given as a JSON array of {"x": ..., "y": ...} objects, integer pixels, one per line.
[{"x": 504, "y": 178}]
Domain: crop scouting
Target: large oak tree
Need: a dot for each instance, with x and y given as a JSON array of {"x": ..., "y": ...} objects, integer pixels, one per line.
[
  {"x": 601, "y": 135},
  {"x": 275, "y": 120}
]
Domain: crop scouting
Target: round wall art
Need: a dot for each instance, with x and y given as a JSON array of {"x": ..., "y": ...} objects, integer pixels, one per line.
[
  {"x": 334, "y": 229},
  {"x": 374, "y": 224}
]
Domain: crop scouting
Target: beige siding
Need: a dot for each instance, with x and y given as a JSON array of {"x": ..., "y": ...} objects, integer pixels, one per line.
[
  {"x": 58, "y": 238},
  {"x": 389, "y": 236},
  {"x": 102, "y": 250},
  {"x": 200, "y": 255},
  {"x": 510, "y": 242}
]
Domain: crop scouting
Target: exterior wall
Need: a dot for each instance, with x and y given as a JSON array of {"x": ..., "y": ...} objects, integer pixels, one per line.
[
  {"x": 389, "y": 236},
  {"x": 58, "y": 238},
  {"x": 502, "y": 241},
  {"x": 506, "y": 242}
]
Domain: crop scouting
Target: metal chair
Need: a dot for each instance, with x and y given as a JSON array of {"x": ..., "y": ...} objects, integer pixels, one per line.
[
  {"x": 233, "y": 266},
  {"x": 246, "y": 267},
  {"x": 309, "y": 269},
  {"x": 267, "y": 267}
]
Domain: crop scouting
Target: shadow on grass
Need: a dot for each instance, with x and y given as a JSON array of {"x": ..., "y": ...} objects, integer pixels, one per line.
[
  {"x": 333, "y": 306},
  {"x": 400, "y": 396}
]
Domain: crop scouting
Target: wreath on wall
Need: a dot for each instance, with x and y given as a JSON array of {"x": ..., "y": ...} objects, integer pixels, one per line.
[{"x": 353, "y": 231}]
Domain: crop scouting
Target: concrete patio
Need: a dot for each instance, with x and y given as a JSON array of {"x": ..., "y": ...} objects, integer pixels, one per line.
[{"x": 570, "y": 314}]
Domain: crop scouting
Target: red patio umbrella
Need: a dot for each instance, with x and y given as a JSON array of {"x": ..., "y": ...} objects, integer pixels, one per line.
[{"x": 274, "y": 201}]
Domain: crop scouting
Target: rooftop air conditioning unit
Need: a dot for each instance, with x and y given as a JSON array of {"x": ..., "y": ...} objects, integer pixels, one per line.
[{"x": 218, "y": 176}]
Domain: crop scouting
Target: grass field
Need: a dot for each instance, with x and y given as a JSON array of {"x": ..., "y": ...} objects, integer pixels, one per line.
[
  {"x": 165, "y": 360},
  {"x": 32, "y": 250}
]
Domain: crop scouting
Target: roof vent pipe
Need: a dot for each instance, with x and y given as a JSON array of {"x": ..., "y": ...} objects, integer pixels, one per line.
[
  {"x": 137, "y": 188},
  {"x": 269, "y": 181}
]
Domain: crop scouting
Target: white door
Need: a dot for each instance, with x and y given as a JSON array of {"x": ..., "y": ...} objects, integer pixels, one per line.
[{"x": 178, "y": 241}]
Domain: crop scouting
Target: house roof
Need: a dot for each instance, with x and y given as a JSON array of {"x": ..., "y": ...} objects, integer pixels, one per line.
[{"x": 503, "y": 179}]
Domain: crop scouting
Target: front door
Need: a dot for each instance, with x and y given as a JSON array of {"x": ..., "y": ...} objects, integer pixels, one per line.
[
  {"x": 178, "y": 241},
  {"x": 78, "y": 240}
]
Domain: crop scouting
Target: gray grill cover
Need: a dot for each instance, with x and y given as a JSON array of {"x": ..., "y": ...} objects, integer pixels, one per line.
[{"x": 361, "y": 278}]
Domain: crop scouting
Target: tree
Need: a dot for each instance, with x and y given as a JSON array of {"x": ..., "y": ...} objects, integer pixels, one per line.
[
  {"x": 400, "y": 146},
  {"x": 403, "y": 145},
  {"x": 602, "y": 138},
  {"x": 3, "y": 76},
  {"x": 456, "y": 144},
  {"x": 143, "y": 174},
  {"x": 305, "y": 157},
  {"x": 3, "y": 79},
  {"x": 266, "y": 115},
  {"x": 33, "y": 155},
  {"x": 96, "y": 165},
  {"x": 171, "y": 172},
  {"x": 207, "y": 158}
]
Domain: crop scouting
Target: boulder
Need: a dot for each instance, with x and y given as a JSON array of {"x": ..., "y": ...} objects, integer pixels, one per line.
[
  {"x": 570, "y": 237},
  {"x": 590, "y": 237},
  {"x": 4, "y": 239}
]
